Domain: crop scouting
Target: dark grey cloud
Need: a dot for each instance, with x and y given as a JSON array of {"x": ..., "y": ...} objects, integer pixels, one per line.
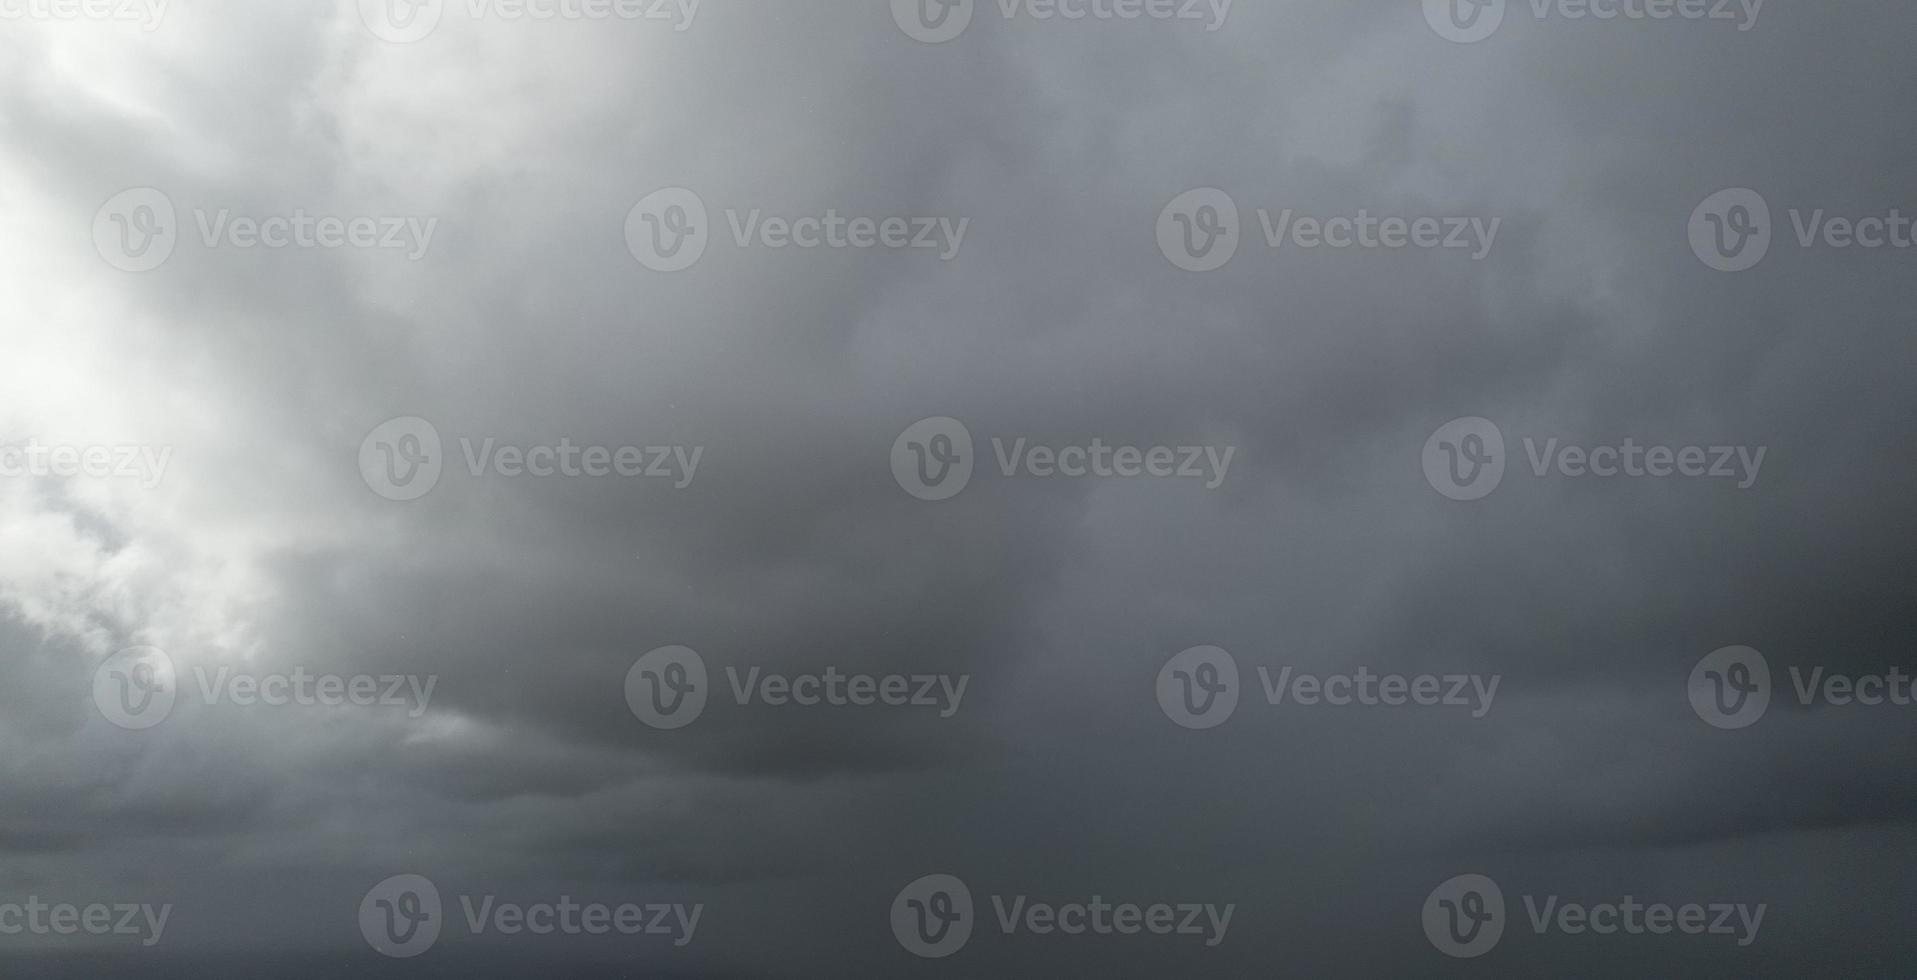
[{"x": 794, "y": 549}]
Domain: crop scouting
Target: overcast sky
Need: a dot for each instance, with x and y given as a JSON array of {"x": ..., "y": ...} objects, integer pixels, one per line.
[{"x": 240, "y": 502}]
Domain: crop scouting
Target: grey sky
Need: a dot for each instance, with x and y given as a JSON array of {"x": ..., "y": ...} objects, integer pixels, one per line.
[{"x": 529, "y": 319}]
